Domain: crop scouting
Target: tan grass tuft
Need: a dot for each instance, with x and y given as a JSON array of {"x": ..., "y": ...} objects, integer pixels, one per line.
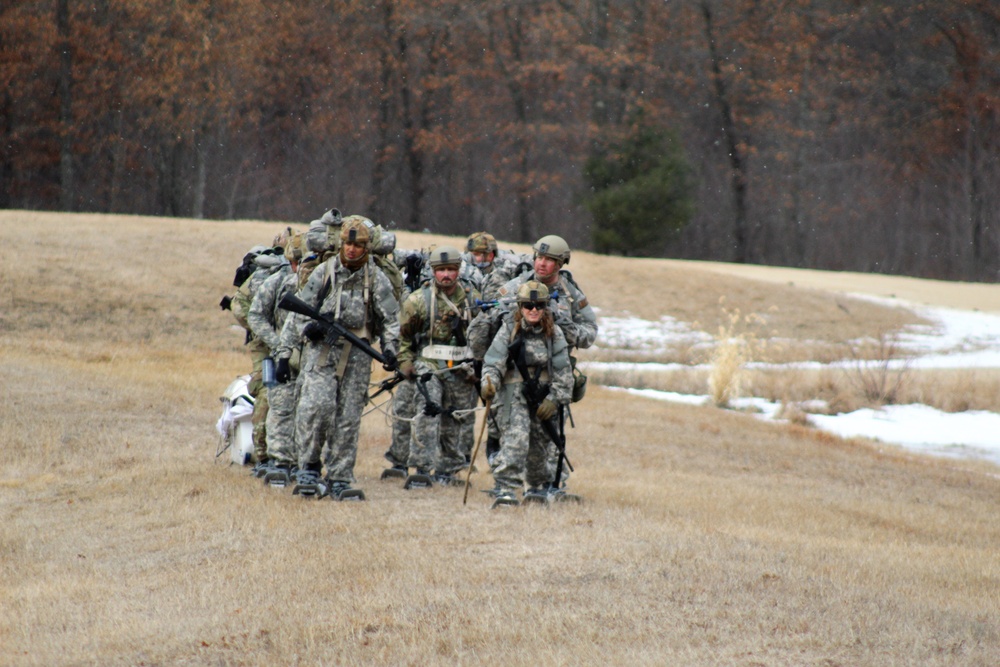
[{"x": 735, "y": 346}]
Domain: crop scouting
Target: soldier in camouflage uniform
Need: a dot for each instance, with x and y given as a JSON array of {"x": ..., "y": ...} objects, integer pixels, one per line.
[
  {"x": 573, "y": 314},
  {"x": 525, "y": 448},
  {"x": 433, "y": 350},
  {"x": 333, "y": 381},
  {"x": 490, "y": 268},
  {"x": 404, "y": 396},
  {"x": 266, "y": 320},
  {"x": 504, "y": 267},
  {"x": 265, "y": 264},
  {"x": 477, "y": 263},
  {"x": 571, "y": 310}
]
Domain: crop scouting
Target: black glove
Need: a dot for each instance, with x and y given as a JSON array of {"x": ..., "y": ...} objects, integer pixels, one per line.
[
  {"x": 314, "y": 331},
  {"x": 226, "y": 302},
  {"x": 391, "y": 363},
  {"x": 282, "y": 373}
]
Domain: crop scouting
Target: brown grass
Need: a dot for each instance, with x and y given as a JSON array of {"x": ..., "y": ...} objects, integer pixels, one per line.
[{"x": 706, "y": 538}]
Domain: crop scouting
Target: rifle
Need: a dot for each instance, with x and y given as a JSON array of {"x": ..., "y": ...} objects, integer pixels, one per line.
[
  {"x": 334, "y": 329},
  {"x": 431, "y": 409},
  {"x": 487, "y": 305},
  {"x": 388, "y": 384},
  {"x": 506, "y": 301},
  {"x": 535, "y": 393}
]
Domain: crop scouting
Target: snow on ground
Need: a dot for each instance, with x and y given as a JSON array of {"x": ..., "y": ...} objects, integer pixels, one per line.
[{"x": 956, "y": 339}]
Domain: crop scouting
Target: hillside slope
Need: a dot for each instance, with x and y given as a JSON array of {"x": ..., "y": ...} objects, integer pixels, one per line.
[{"x": 705, "y": 538}]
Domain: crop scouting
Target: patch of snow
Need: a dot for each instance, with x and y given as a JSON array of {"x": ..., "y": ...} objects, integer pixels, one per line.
[{"x": 956, "y": 339}]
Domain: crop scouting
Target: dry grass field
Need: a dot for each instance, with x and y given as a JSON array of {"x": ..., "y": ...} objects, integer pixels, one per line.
[{"x": 706, "y": 537}]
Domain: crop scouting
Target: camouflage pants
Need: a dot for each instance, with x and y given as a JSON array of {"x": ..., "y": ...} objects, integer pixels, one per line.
[
  {"x": 443, "y": 442},
  {"x": 404, "y": 406},
  {"x": 261, "y": 405},
  {"x": 256, "y": 389},
  {"x": 492, "y": 430},
  {"x": 328, "y": 415},
  {"x": 281, "y": 399},
  {"x": 525, "y": 449}
]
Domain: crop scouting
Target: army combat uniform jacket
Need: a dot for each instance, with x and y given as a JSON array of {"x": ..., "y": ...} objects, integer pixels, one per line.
[
  {"x": 333, "y": 380},
  {"x": 433, "y": 338},
  {"x": 526, "y": 451}
]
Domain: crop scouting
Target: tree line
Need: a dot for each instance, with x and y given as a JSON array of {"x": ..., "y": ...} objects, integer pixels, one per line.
[{"x": 834, "y": 134}]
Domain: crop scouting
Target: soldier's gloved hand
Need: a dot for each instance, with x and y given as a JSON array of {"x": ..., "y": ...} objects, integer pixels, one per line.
[
  {"x": 226, "y": 302},
  {"x": 391, "y": 363},
  {"x": 406, "y": 369},
  {"x": 282, "y": 372},
  {"x": 314, "y": 331},
  {"x": 545, "y": 410},
  {"x": 488, "y": 391}
]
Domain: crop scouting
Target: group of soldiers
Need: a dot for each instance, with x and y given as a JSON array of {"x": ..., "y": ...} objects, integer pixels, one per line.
[{"x": 453, "y": 327}]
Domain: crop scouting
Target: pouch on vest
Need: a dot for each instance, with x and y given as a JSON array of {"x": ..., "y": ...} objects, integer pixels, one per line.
[{"x": 579, "y": 382}]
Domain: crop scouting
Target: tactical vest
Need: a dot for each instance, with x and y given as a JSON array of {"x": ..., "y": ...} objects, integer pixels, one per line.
[{"x": 446, "y": 339}]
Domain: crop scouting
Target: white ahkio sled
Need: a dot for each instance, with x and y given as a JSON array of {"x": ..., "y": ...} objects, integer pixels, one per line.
[{"x": 235, "y": 426}]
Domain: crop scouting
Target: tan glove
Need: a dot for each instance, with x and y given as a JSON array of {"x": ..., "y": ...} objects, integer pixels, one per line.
[
  {"x": 545, "y": 410},
  {"x": 488, "y": 391},
  {"x": 406, "y": 370}
]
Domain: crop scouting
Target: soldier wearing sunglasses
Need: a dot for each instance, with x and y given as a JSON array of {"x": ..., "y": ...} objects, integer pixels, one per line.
[
  {"x": 526, "y": 448},
  {"x": 569, "y": 305}
]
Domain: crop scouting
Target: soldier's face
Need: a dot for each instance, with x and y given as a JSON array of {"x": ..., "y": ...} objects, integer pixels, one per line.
[
  {"x": 546, "y": 269},
  {"x": 483, "y": 258},
  {"x": 534, "y": 315},
  {"x": 353, "y": 250},
  {"x": 446, "y": 276}
]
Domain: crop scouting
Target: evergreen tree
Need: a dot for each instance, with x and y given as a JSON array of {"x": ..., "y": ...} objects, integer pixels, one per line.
[{"x": 639, "y": 191}]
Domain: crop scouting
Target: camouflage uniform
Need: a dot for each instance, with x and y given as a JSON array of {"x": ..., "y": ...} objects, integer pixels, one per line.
[
  {"x": 440, "y": 442},
  {"x": 572, "y": 311},
  {"x": 267, "y": 265},
  {"x": 333, "y": 381},
  {"x": 506, "y": 266},
  {"x": 573, "y": 315},
  {"x": 404, "y": 396},
  {"x": 266, "y": 320},
  {"x": 525, "y": 449}
]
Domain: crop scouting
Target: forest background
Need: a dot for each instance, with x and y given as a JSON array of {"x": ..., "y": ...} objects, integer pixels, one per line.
[{"x": 834, "y": 134}]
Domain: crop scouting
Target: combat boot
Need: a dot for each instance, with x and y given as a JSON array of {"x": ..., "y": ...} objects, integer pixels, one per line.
[
  {"x": 421, "y": 479},
  {"x": 395, "y": 472},
  {"x": 504, "y": 498},
  {"x": 445, "y": 479},
  {"x": 279, "y": 474},
  {"x": 343, "y": 491}
]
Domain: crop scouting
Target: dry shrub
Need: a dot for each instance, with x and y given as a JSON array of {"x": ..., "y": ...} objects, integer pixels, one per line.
[
  {"x": 875, "y": 373},
  {"x": 736, "y": 345}
]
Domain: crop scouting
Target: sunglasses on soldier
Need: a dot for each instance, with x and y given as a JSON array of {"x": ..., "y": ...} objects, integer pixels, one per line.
[{"x": 531, "y": 305}]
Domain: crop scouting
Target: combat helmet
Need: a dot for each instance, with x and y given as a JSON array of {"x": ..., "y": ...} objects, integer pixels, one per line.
[
  {"x": 532, "y": 291},
  {"x": 444, "y": 255},
  {"x": 552, "y": 246},
  {"x": 354, "y": 230},
  {"x": 481, "y": 242},
  {"x": 295, "y": 249}
]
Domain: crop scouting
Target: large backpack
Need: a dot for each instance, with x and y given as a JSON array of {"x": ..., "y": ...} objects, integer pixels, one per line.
[{"x": 392, "y": 272}]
